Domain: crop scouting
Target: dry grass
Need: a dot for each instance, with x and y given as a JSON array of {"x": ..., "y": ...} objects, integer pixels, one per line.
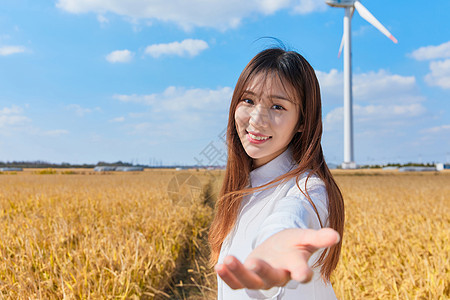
[
  {"x": 118, "y": 235},
  {"x": 396, "y": 243},
  {"x": 80, "y": 236}
]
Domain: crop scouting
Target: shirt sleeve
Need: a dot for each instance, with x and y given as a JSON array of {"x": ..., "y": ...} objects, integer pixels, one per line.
[
  {"x": 295, "y": 211},
  {"x": 292, "y": 211},
  {"x": 272, "y": 293}
]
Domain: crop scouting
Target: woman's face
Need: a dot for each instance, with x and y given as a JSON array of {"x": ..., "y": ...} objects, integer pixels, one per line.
[{"x": 266, "y": 119}]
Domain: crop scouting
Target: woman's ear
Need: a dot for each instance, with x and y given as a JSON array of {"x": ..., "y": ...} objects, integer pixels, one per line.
[{"x": 300, "y": 128}]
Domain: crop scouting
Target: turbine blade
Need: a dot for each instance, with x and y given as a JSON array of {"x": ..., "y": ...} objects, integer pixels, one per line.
[
  {"x": 341, "y": 46},
  {"x": 352, "y": 10},
  {"x": 366, "y": 15}
]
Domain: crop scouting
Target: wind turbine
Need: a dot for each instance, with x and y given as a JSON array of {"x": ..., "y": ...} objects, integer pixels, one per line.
[{"x": 350, "y": 6}]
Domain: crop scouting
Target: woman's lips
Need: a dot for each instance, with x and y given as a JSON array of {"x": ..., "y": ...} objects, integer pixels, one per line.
[{"x": 257, "y": 138}]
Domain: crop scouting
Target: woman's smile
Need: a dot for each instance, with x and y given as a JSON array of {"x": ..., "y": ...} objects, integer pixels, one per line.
[{"x": 257, "y": 138}]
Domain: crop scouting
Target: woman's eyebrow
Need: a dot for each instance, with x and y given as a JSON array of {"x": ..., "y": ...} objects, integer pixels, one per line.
[
  {"x": 249, "y": 92},
  {"x": 272, "y": 97},
  {"x": 280, "y": 98}
]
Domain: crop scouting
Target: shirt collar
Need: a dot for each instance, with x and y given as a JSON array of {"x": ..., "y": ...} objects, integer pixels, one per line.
[{"x": 278, "y": 166}]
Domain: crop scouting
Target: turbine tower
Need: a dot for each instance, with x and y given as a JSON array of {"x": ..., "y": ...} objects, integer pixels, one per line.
[{"x": 346, "y": 42}]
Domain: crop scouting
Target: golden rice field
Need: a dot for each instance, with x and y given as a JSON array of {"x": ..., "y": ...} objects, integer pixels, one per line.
[
  {"x": 86, "y": 236},
  {"x": 83, "y": 235},
  {"x": 397, "y": 237}
]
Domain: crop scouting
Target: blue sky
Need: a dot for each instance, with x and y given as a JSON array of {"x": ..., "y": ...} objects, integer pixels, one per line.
[{"x": 149, "y": 81}]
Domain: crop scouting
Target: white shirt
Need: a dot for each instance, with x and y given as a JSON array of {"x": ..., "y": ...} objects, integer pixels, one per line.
[{"x": 267, "y": 212}]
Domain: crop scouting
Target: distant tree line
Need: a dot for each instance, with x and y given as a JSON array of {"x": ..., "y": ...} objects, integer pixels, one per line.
[
  {"x": 398, "y": 165},
  {"x": 44, "y": 164}
]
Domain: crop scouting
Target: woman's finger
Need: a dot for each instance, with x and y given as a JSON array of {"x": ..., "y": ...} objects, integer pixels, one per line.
[
  {"x": 315, "y": 239},
  {"x": 271, "y": 276},
  {"x": 243, "y": 275},
  {"x": 300, "y": 271},
  {"x": 228, "y": 277}
]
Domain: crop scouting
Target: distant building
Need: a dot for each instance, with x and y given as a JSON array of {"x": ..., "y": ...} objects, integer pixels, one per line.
[
  {"x": 10, "y": 169},
  {"x": 416, "y": 169},
  {"x": 442, "y": 166},
  {"x": 104, "y": 168},
  {"x": 119, "y": 169},
  {"x": 129, "y": 169},
  {"x": 390, "y": 168}
]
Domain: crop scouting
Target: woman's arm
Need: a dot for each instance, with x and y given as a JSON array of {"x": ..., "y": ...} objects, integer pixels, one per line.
[{"x": 280, "y": 258}]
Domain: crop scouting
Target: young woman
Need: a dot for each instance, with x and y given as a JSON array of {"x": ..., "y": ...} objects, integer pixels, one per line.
[{"x": 280, "y": 215}]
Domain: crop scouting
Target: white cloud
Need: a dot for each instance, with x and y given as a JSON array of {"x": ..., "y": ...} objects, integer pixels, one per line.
[
  {"x": 371, "y": 87},
  {"x": 102, "y": 19},
  {"x": 12, "y": 116},
  {"x": 386, "y": 107},
  {"x": 13, "y": 123},
  {"x": 142, "y": 99},
  {"x": 439, "y": 74},
  {"x": 220, "y": 14},
  {"x": 309, "y": 6},
  {"x": 81, "y": 111},
  {"x": 194, "y": 112},
  {"x": 330, "y": 85},
  {"x": 378, "y": 115},
  {"x": 384, "y": 87},
  {"x": 9, "y": 50},
  {"x": 432, "y": 52},
  {"x": 11, "y": 110},
  {"x": 178, "y": 99},
  {"x": 437, "y": 129},
  {"x": 188, "y": 47},
  {"x": 120, "y": 56},
  {"x": 118, "y": 120},
  {"x": 12, "y": 120}
]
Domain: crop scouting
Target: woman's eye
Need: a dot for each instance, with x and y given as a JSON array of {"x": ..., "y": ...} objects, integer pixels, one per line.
[
  {"x": 248, "y": 101},
  {"x": 278, "y": 107}
]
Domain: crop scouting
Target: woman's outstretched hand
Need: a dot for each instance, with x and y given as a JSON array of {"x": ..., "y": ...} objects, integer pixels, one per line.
[{"x": 280, "y": 258}]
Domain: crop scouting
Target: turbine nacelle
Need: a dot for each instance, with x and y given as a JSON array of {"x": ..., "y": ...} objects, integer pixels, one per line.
[{"x": 340, "y": 3}]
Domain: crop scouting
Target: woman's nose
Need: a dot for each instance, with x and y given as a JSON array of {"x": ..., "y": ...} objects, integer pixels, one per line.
[{"x": 259, "y": 116}]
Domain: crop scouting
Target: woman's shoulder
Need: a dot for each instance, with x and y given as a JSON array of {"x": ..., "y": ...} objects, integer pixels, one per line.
[
  {"x": 298, "y": 208},
  {"x": 307, "y": 181}
]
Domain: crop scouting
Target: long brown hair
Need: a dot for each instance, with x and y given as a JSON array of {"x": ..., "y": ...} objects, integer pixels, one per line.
[{"x": 293, "y": 71}]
